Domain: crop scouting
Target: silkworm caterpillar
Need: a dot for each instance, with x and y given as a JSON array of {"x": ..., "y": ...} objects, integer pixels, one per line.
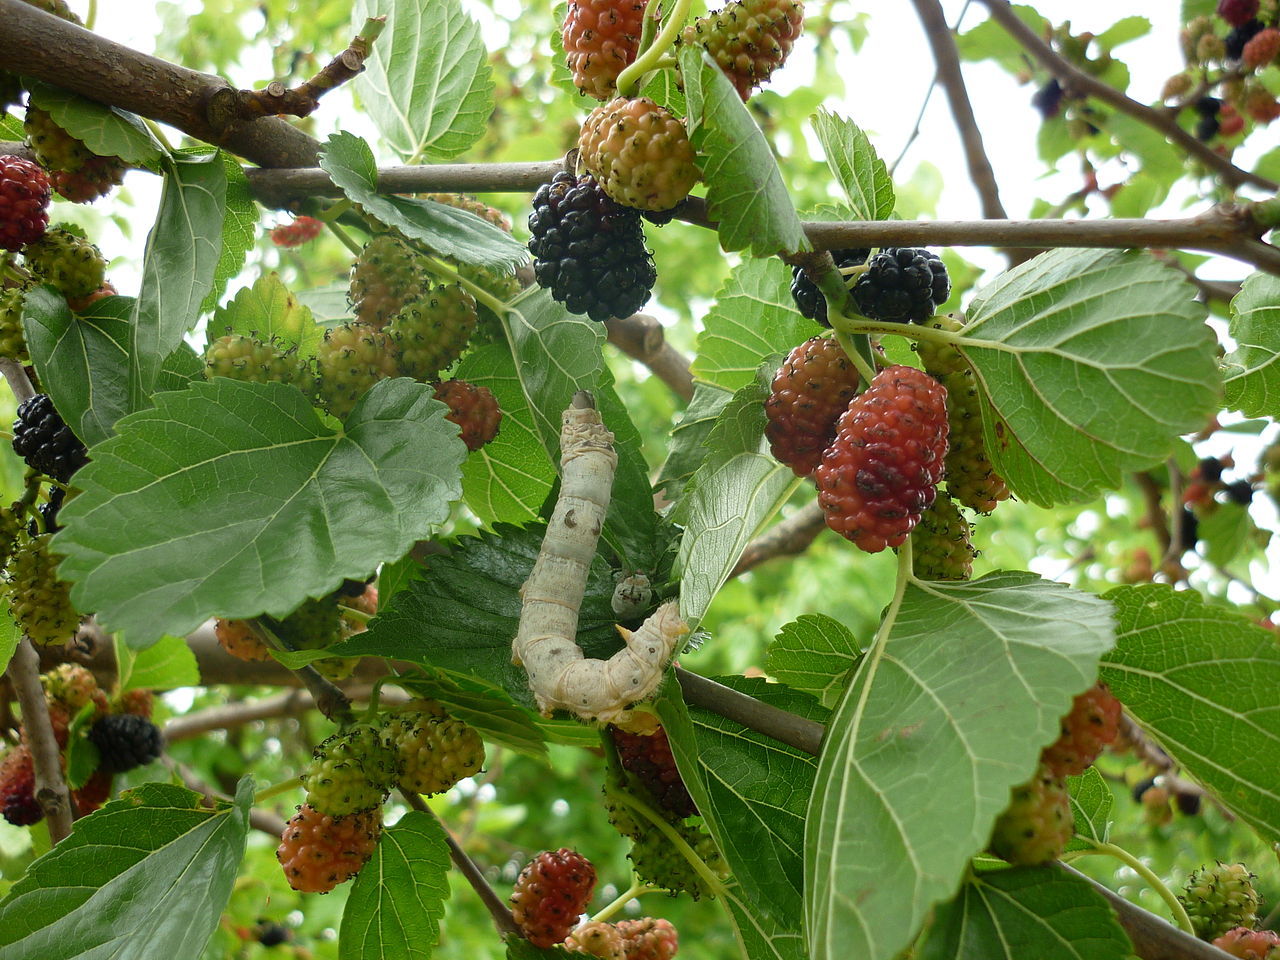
[{"x": 560, "y": 675}]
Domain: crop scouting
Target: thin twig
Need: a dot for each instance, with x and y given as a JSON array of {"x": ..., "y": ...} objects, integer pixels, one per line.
[
  {"x": 787, "y": 538},
  {"x": 501, "y": 914},
  {"x": 230, "y": 106},
  {"x": 641, "y": 337},
  {"x": 805, "y": 735},
  {"x": 942, "y": 42},
  {"x": 330, "y": 700},
  {"x": 290, "y": 703},
  {"x": 50, "y": 786},
  {"x": 259, "y": 819},
  {"x": 41, "y": 45},
  {"x": 1078, "y": 82},
  {"x": 1151, "y": 495}
]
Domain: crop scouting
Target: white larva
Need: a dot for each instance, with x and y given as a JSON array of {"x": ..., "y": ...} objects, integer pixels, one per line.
[{"x": 560, "y": 676}]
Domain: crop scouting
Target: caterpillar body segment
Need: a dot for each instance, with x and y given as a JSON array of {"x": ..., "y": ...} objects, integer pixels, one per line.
[{"x": 560, "y": 676}]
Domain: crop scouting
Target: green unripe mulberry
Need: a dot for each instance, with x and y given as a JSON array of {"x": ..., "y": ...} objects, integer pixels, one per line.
[
  {"x": 67, "y": 261},
  {"x": 430, "y": 332},
  {"x": 1219, "y": 898},
  {"x": 350, "y": 771},
  {"x": 940, "y": 547},
  {"x": 255, "y": 361}
]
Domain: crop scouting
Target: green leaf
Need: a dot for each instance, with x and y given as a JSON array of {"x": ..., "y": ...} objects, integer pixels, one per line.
[
  {"x": 753, "y": 318},
  {"x": 166, "y": 664},
  {"x": 234, "y": 499},
  {"x": 751, "y": 790},
  {"x": 239, "y": 229},
  {"x": 745, "y": 192},
  {"x": 508, "y": 479},
  {"x": 1226, "y": 532},
  {"x": 687, "y": 448},
  {"x": 83, "y": 360},
  {"x": 146, "y": 876},
  {"x": 267, "y": 310},
  {"x": 427, "y": 84},
  {"x": 10, "y": 637},
  {"x": 556, "y": 354},
  {"x": 458, "y": 233},
  {"x": 1040, "y": 912},
  {"x": 1124, "y": 30},
  {"x": 990, "y": 41},
  {"x": 178, "y": 266},
  {"x": 394, "y": 908},
  {"x": 1251, "y": 373},
  {"x": 83, "y": 756},
  {"x": 963, "y": 665},
  {"x": 1203, "y": 681},
  {"x": 328, "y": 305},
  {"x": 180, "y": 368},
  {"x": 1091, "y": 805},
  {"x": 857, "y": 167},
  {"x": 813, "y": 654},
  {"x": 471, "y": 598},
  {"x": 107, "y": 131},
  {"x": 761, "y": 937},
  {"x": 1091, "y": 363},
  {"x": 729, "y": 500}
]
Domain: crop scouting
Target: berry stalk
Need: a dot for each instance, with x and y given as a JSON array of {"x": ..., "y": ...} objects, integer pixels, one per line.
[
  {"x": 330, "y": 701},
  {"x": 856, "y": 348},
  {"x": 449, "y": 275},
  {"x": 629, "y": 79},
  {"x": 1141, "y": 869},
  {"x": 637, "y": 889},
  {"x": 714, "y": 884}
]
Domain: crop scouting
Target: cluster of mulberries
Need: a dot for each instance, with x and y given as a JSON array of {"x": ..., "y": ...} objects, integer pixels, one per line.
[
  {"x": 417, "y": 747},
  {"x": 748, "y": 39},
  {"x": 1220, "y": 899},
  {"x": 1237, "y": 44},
  {"x": 119, "y": 729}
]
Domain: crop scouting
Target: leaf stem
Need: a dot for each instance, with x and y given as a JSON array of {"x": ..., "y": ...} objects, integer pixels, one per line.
[
  {"x": 628, "y": 80},
  {"x": 335, "y": 210},
  {"x": 637, "y": 889},
  {"x": 91, "y": 18},
  {"x": 482, "y": 295},
  {"x": 865, "y": 370},
  {"x": 348, "y": 241},
  {"x": 704, "y": 872},
  {"x": 874, "y": 655},
  {"x": 649, "y": 28},
  {"x": 1141, "y": 869},
  {"x": 275, "y": 790},
  {"x": 158, "y": 133},
  {"x": 913, "y": 331}
]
